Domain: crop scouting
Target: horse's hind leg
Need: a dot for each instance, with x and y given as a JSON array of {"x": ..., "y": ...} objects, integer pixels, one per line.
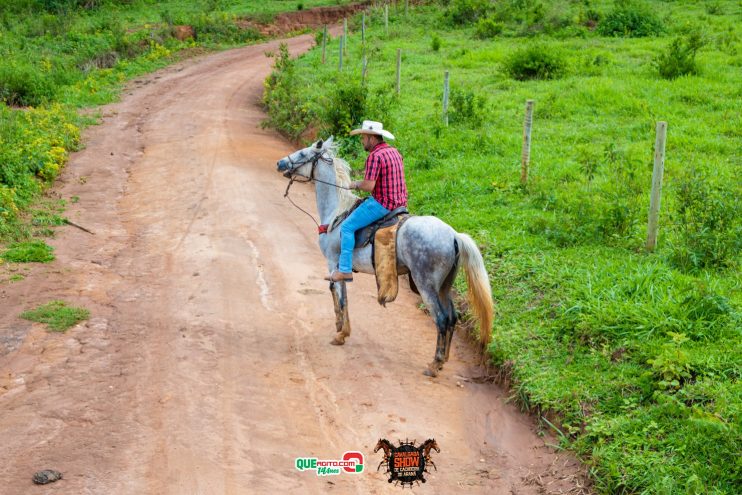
[{"x": 342, "y": 320}]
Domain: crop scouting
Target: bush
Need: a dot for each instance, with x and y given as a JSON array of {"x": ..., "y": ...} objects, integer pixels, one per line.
[
  {"x": 282, "y": 98},
  {"x": 8, "y": 207},
  {"x": 35, "y": 142},
  {"x": 350, "y": 103},
  {"x": 346, "y": 108},
  {"x": 49, "y": 24},
  {"x": 466, "y": 107},
  {"x": 22, "y": 85},
  {"x": 346, "y": 105},
  {"x": 487, "y": 27},
  {"x": 727, "y": 41},
  {"x": 529, "y": 17},
  {"x": 708, "y": 230},
  {"x": 671, "y": 367},
  {"x": 680, "y": 57},
  {"x": 318, "y": 35},
  {"x": 630, "y": 21},
  {"x": 714, "y": 8},
  {"x": 462, "y": 12},
  {"x": 603, "y": 207},
  {"x": 63, "y": 6},
  {"x": 589, "y": 17},
  {"x": 435, "y": 43},
  {"x": 221, "y": 27},
  {"x": 213, "y": 5},
  {"x": 535, "y": 62}
]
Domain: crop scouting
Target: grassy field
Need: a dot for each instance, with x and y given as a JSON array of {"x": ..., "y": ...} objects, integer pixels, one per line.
[
  {"x": 633, "y": 358},
  {"x": 58, "y": 56}
]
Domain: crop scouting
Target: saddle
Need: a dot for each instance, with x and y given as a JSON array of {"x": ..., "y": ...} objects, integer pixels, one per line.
[
  {"x": 382, "y": 235},
  {"x": 365, "y": 236}
]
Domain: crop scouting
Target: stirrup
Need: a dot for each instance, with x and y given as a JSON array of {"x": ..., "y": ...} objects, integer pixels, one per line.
[{"x": 336, "y": 276}]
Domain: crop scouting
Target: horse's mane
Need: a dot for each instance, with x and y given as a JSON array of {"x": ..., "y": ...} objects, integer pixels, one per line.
[{"x": 346, "y": 199}]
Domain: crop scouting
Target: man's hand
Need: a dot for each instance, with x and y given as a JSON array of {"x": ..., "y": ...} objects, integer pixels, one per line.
[{"x": 364, "y": 185}]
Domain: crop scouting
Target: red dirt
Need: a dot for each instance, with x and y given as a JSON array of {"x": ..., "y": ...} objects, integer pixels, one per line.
[
  {"x": 288, "y": 22},
  {"x": 291, "y": 21},
  {"x": 206, "y": 365}
]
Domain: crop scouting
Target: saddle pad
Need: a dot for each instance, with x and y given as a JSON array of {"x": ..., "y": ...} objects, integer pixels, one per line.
[{"x": 385, "y": 263}]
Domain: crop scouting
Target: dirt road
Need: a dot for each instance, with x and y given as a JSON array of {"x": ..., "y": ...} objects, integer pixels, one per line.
[{"x": 206, "y": 365}]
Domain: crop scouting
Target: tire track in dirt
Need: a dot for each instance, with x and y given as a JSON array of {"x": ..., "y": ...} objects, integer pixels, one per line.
[{"x": 207, "y": 366}]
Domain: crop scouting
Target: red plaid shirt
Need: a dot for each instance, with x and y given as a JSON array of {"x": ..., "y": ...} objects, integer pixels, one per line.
[{"x": 384, "y": 165}]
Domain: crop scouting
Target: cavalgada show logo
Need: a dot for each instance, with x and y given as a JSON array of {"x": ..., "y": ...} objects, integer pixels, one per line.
[
  {"x": 351, "y": 462},
  {"x": 407, "y": 463}
]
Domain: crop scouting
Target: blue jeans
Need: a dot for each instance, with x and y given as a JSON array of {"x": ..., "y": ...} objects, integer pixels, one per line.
[{"x": 368, "y": 212}]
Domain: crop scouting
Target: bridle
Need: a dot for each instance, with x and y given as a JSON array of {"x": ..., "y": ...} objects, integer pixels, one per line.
[
  {"x": 293, "y": 178},
  {"x": 294, "y": 165}
]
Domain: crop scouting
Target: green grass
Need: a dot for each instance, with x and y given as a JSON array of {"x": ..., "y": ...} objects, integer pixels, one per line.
[
  {"x": 57, "y": 315},
  {"x": 28, "y": 251},
  {"x": 637, "y": 354}
]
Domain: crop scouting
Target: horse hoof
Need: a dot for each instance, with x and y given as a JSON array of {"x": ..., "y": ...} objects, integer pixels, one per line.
[
  {"x": 429, "y": 372},
  {"x": 337, "y": 341}
]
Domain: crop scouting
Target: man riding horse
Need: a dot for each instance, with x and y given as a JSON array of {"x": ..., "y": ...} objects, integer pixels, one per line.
[
  {"x": 428, "y": 248},
  {"x": 384, "y": 179}
]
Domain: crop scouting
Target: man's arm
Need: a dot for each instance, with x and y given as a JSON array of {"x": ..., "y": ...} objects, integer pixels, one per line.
[{"x": 364, "y": 185}]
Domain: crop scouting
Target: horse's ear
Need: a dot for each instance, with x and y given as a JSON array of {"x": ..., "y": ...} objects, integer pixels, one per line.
[{"x": 319, "y": 144}]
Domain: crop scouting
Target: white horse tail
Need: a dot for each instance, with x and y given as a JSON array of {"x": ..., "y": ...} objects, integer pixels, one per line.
[{"x": 479, "y": 291}]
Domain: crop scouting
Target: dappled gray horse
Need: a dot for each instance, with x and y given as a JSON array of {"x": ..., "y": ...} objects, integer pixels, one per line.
[{"x": 430, "y": 249}]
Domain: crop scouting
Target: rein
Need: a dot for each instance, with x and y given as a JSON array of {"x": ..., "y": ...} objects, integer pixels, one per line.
[
  {"x": 286, "y": 195},
  {"x": 312, "y": 178}
]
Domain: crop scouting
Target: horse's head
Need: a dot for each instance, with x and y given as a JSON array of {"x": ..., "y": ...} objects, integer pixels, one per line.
[
  {"x": 381, "y": 444},
  {"x": 303, "y": 161},
  {"x": 430, "y": 443}
]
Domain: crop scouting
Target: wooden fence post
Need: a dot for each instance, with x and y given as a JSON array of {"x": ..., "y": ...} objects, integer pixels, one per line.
[
  {"x": 406, "y": 6},
  {"x": 363, "y": 69},
  {"x": 445, "y": 98},
  {"x": 324, "y": 43},
  {"x": 345, "y": 34},
  {"x": 656, "y": 195},
  {"x": 340, "y": 63},
  {"x": 525, "y": 157},
  {"x": 399, "y": 70}
]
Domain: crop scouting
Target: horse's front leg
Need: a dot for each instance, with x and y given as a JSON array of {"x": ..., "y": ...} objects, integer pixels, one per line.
[
  {"x": 342, "y": 320},
  {"x": 452, "y": 319},
  {"x": 441, "y": 322}
]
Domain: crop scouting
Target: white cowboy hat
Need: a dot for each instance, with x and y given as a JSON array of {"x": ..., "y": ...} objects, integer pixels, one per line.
[{"x": 371, "y": 127}]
